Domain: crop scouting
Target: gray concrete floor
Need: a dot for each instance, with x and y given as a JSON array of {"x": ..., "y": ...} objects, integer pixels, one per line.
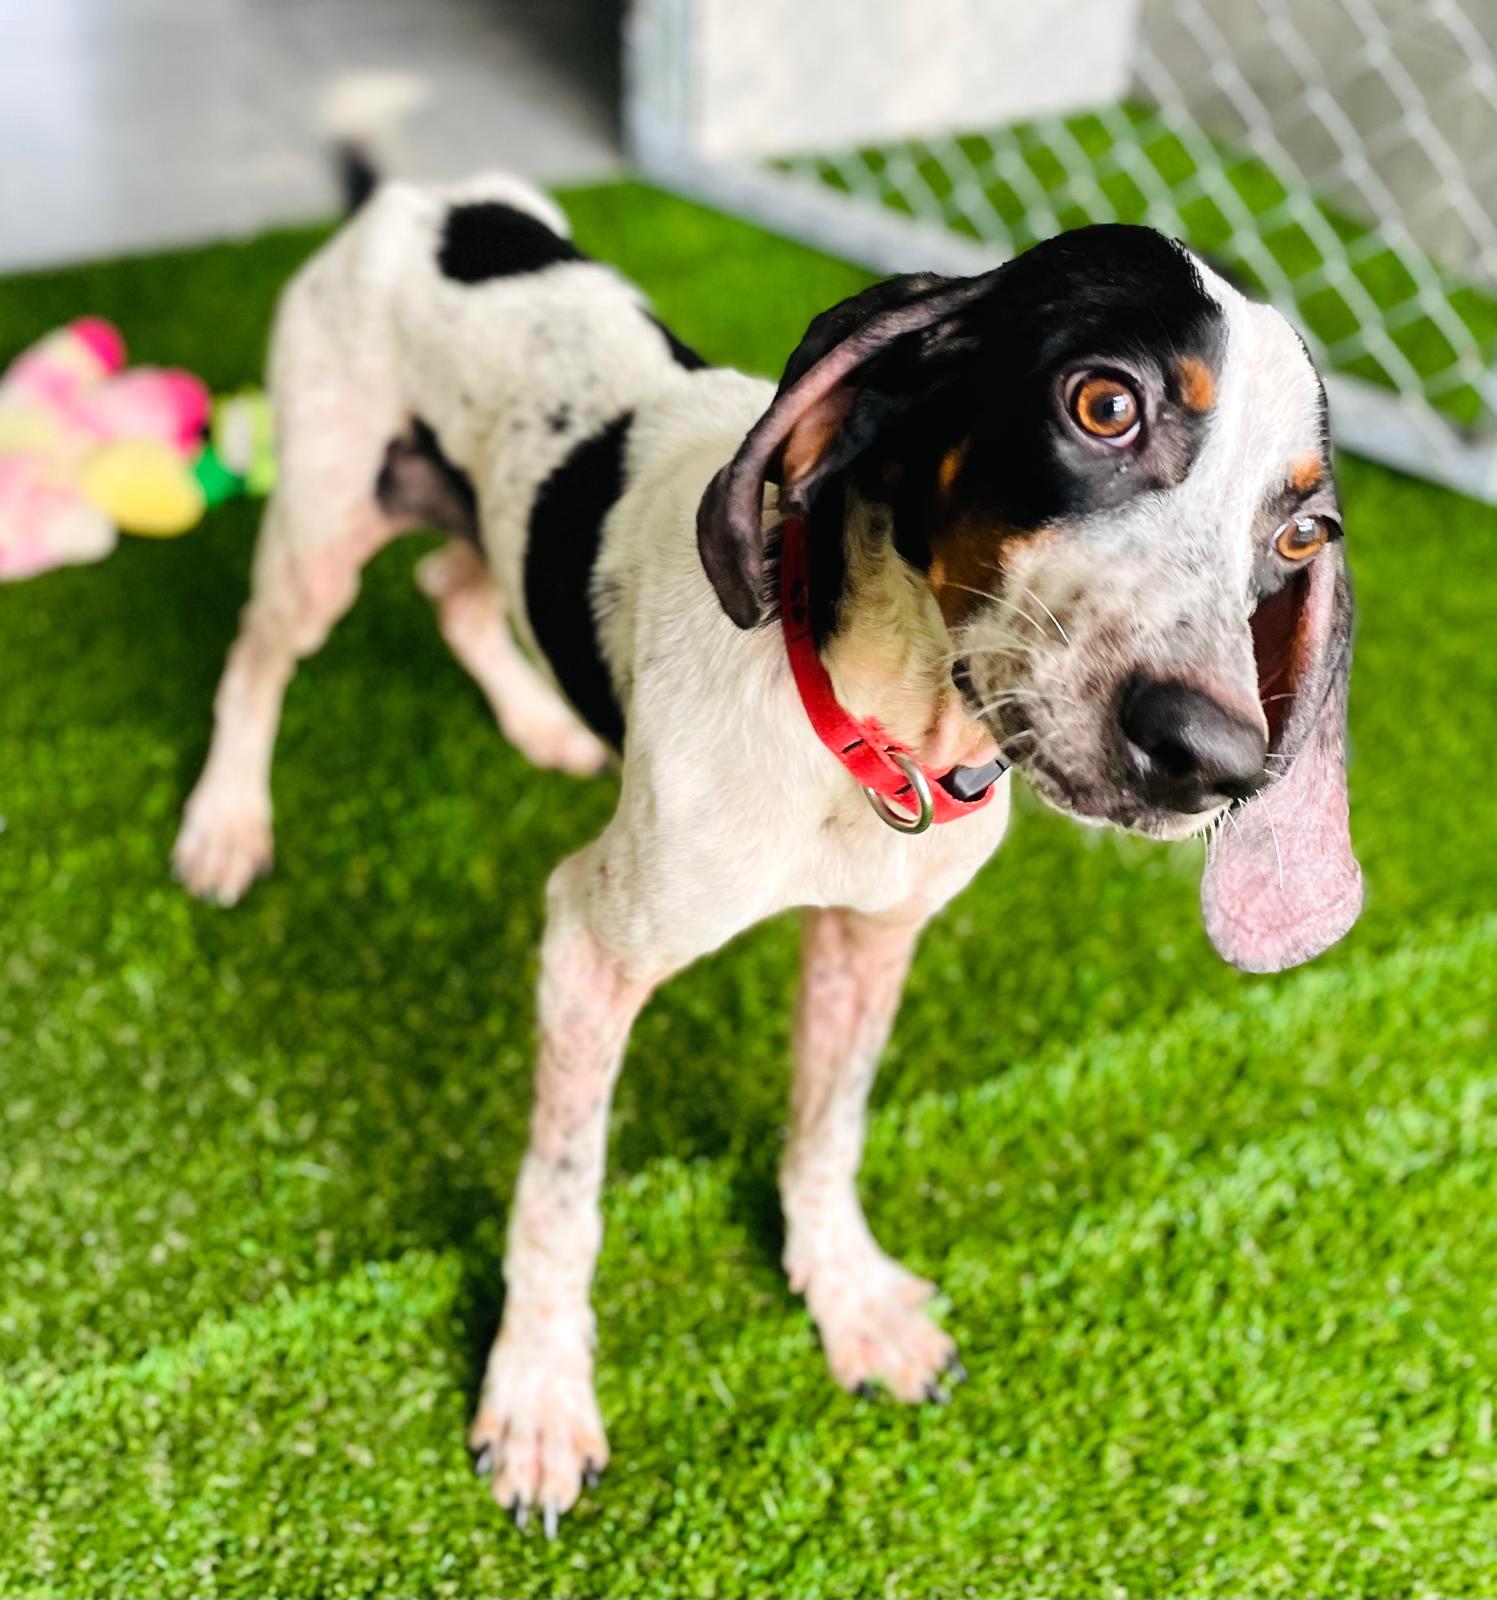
[{"x": 130, "y": 124}]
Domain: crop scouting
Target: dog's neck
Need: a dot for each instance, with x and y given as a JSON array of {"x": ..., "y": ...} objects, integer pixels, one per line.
[{"x": 890, "y": 655}]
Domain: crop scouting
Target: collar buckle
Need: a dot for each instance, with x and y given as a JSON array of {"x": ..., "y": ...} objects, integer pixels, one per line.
[
  {"x": 887, "y": 773},
  {"x": 891, "y": 815}
]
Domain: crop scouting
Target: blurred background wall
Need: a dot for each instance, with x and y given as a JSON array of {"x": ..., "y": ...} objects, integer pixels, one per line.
[
  {"x": 126, "y": 124},
  {"x": 1336, "y": 156}
]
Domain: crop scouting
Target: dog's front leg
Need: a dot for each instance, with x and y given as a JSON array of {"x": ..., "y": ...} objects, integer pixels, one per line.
[
  {"x": 867, "y": 1307},
  {"x": 537, "y": 1428}
]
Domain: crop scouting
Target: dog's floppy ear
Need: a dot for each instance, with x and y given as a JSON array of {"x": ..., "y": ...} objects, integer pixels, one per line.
[
  {"x": 1282, "y": 883},
  {"x": 816, "y": 424}
]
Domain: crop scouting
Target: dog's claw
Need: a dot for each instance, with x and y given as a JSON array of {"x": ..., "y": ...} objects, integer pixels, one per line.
[
  {"x": 955, "y": 1370},
  {"x": 483, "y": 1460},
  {"x": 520, "y": 1510},
  {"x": 592, "y": 1474},
  {"x": 864, "y": 1390},
  {"x": 550, "y": 1512},
  {"x": 936, "y": 1394}
]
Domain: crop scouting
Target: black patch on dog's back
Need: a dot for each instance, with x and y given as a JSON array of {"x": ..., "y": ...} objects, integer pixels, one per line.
[
  {"x": 681, "y": 353},
  {"x": 488, "y": 239},
  {"x": 566, "y": 532},
  {"x": 418, "y": 483}
]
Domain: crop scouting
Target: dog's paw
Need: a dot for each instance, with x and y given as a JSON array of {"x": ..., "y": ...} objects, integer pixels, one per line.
[
  {"x": 559, "y": 743},
  {"x": 537, "y": 1435},
  {"x": 222, "y": 849},
  {"x": 875, "y": 1328}
]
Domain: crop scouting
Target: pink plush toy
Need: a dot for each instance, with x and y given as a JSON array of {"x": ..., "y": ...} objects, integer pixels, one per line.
[{"x": 88, "y": 448}]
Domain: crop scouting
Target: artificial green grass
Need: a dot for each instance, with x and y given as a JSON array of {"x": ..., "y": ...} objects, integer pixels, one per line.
[
  {"x": 1133, "y": 164},
  {"x": 1218, "y": 1249}
]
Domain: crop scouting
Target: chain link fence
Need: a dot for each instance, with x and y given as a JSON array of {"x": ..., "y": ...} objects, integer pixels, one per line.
[{"x": 1338, "y": 157}]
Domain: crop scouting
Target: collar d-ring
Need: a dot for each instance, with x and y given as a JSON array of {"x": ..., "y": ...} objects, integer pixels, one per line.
[{"x": 892, "y": 816}]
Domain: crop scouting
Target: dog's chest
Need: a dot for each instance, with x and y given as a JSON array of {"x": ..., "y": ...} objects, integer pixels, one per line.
[{"x": 859, "y": 861}]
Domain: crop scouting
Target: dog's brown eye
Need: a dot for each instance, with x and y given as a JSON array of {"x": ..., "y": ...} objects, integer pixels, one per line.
[
  {"x": 1105, "y": 407},
  {"x": 1301, "y": 538}
]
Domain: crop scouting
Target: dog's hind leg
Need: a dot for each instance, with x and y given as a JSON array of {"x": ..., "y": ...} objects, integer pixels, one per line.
[
  {"x": 867, "y": 1307},
  {"x": 301, "y": 588},
  {"x": 470, "y": 612},
  {"x": 337, "y": 406}
]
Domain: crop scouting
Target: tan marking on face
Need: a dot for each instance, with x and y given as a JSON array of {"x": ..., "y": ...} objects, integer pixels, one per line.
[
  {"x": 1305, "y": 474},
  {"x": 951, "y": 464},
  {"x": 967, "y": 561},
  {"x": 1197, "y": 385},
  {"x": 965, "y": 564}
]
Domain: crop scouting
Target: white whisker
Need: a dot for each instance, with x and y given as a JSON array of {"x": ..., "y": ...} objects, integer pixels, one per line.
[
  {"x": 998, "y": 599},
  {"x": 1047, "y": 696},
  {"x": 1278, "y": 857},
  {"x": 1065, "y": 637},
  {"x": 1008, "y": 647}
]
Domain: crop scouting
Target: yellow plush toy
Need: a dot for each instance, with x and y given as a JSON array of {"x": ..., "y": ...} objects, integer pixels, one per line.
[{"x": 142, "y": 486}]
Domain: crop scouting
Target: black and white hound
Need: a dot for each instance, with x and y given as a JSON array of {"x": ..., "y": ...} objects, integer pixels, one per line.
[{"x": 1075, "y": 513}]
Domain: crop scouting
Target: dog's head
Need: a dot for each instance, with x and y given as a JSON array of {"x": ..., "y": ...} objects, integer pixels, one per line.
[{"x": 1113, "y": 471}]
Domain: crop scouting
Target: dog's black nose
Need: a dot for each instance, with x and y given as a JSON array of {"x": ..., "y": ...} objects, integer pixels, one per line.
[{"x": 1189, "y": 752}]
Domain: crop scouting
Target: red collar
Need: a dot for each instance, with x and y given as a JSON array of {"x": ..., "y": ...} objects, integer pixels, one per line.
[{"x": 883, "y": 766}]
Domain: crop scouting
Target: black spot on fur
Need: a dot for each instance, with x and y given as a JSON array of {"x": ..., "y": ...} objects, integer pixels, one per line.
[
  {"x": 490, "y": 240},
  {"x": 559, "y": 420},
  {"x": 566, "y": 533},
  {"x": 682, "y": 354},
  {"x": 417, "y": 483}
]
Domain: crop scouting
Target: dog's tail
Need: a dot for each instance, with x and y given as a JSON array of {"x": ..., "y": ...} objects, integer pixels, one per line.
[{"x": 361, "y": 116}]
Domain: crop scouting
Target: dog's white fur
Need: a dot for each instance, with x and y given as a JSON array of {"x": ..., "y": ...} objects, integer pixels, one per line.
[{"x": 729, "y": 809}]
